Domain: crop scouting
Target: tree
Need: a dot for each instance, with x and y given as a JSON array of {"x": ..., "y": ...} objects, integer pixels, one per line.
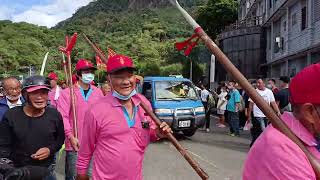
[{"x": 217, "y": 14}]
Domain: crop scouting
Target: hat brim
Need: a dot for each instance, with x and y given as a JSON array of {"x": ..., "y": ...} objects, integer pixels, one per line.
[
  {"x": 88, "y": 68},
  {"x": 34, "y": 88},
  {"x": 56, "y": 79},
  {"x": 122, "y": 68}
]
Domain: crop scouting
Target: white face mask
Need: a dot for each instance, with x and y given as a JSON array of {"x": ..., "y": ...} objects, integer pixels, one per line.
[
  {"x": 269, "y": 86},
  {"x": 87, "y": 78},
  {"x": 13, "y": 98}
]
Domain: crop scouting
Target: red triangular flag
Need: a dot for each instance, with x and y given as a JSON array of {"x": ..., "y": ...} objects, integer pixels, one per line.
[
  {"x": 111, "y": 52},
  {"x": 190, "y": 47}
]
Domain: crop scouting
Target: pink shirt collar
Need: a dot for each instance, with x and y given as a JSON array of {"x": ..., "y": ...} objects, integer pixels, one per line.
[{"x": 298, "y": 129}]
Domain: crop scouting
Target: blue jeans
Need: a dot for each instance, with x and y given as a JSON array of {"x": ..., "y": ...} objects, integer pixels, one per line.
[
  {"x": 70, "y": 166},
  {"x": 52, "y": 168},
  {"x": 233, "y": 120}
]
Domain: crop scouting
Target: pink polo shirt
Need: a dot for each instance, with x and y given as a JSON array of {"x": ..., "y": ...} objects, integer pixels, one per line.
[
  {"x": 117, "y": 150},
  {"x": 275, "y": 157},
  {"x": 81, "y": 105},
  {"x": 54, "y": 96}
]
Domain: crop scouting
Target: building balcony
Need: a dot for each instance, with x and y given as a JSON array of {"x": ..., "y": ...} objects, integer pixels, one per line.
[{"x": 246, "y": 23}]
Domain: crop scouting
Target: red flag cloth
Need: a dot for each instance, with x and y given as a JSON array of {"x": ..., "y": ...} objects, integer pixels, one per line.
[
  {"x": 190, "y": 47},
  {"x": 100, "y": 64},
  {"x": 188, "y": 44},
  {"x": 182, "y": 45},
  {"x": 111, "y": 53},
  {"x": 98, "y": 60}
]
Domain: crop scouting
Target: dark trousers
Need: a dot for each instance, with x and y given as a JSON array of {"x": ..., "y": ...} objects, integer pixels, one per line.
[
  {"x": 242, "y": 118},
  {"x": 258, "y": 125},
  {"x": 233, "y": 121},
  {"x": 205, "y": 104}
]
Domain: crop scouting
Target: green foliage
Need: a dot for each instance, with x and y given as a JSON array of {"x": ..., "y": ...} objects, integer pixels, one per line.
[
  {"x": 216, "y": 14},
  {"x": 22, "y": 45},
  {"x": 146, "y": 34}
]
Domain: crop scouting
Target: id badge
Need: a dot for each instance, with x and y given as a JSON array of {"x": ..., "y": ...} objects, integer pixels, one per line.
[{"x": 145, "y": 124}]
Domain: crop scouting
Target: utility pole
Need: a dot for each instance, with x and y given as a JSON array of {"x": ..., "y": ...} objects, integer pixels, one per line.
[
  {"x": 190, "y": 69},
  {"x": 212, "y": 70}
]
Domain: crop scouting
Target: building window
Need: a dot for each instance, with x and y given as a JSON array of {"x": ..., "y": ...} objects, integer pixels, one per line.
[
  {"x": 284, "y": 25},
  {"x": 294, "y": 19},
  {"x": 278, "y": 44},
  {"x": 270, "y": 4},
  {"x": 304, "y": 18}
]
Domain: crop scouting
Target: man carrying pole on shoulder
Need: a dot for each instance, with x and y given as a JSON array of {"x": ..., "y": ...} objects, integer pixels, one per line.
[
  {"x": 84, "y": 93},
  {"x": 117, "y": 129},
  {"x": 274, "y": 156}
]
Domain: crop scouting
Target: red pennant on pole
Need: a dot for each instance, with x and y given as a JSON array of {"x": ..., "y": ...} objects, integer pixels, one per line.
[
  {"x": 111, "y": 52},
  {"x": 72, "y": 42},
  {"x": 188, "y": 44},
  {"x": 190, "y": 47},
  {"x": 181, "y": 45},
  {"x": 98, "y": 60}
]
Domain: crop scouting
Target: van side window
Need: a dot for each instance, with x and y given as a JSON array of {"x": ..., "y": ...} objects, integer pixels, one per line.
[{"x": 147, "y": 90}]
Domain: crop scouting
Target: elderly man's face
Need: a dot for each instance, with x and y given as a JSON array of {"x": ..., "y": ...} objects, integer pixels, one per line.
[
  {"x": 106, "y": 88},
  {"x": 124, "y": 82},
  {"x": 53, "y": 83},
  {"x": 12, "y": 89},
  {"x": 39, "y": 98},
  {"x": 309, "y": 115}
]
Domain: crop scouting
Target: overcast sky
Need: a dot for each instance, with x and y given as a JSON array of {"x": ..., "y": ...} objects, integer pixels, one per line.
[{"x": 40, "y": 12}]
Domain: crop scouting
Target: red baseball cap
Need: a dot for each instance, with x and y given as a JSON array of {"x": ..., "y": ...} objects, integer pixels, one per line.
[
  {"x": 119, "y": 62},
  {"x": 53, "y": 76},
  {"x": 84, "y": 64},
  {"x": 304, "y": 87},
  {"x": 34, "y": 88}
]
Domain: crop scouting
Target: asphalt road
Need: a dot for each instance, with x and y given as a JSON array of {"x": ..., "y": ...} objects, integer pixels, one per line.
[{"x": 220, "y": 155}]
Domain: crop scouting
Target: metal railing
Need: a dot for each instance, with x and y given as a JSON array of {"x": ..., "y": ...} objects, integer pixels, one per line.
[{"x": 248, "y": 22}]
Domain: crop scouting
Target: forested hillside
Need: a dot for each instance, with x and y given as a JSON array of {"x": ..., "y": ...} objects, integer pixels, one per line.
[{"x": 146, "y": 30}]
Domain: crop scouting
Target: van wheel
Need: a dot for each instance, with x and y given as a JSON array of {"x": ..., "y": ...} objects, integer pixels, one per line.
[{"x": 189, "y": 132}]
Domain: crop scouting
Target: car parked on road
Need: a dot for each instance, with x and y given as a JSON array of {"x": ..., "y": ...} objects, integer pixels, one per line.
[{"x": 176, "y": 102}]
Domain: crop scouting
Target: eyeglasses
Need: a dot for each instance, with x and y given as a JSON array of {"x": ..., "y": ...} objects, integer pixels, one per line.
[{"x": 11, "y": 90}]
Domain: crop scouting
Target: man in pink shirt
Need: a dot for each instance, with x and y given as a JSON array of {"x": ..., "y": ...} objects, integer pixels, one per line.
[
  {"x": 117, "y": 130},
  {"x": 55, "y": 89},
  {"x": 85, "y": 94},
  {"x": 274, "y": 156}
]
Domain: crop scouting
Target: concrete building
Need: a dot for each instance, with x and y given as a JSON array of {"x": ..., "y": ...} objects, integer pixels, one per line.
[
  {"x": 293, "y": 35},
  {"x": 290, "y": 35}
]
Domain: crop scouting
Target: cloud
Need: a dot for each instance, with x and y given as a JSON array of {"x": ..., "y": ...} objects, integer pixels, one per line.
[
  {"x": 5, "y": 12},
  {"x": 50, "y": 14}
]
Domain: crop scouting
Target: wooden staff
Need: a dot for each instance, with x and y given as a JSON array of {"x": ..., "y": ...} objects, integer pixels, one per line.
[
  {"x": 173, "y": 140},
  {"x": 95, "y": 49},
  {"x": 67, "y": 51},
  {"x": 64, "y": 64},
  {"x": 253, "y": 94}
]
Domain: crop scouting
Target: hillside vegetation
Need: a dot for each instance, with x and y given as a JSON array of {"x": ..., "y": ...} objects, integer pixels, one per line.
[{"x": 144, "y": 31}]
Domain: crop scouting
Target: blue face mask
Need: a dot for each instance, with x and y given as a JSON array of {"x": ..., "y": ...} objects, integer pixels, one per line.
[
  {"x": 122, "y": 97},
  {"x": 87, "y": 78}
]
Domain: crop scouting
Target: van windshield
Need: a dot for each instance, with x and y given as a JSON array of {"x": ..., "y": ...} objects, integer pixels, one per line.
[{"x": 175, "y": 90}]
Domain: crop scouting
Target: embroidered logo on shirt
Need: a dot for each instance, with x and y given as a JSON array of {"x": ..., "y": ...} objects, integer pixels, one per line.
[{"x": 121, "y": 60}]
